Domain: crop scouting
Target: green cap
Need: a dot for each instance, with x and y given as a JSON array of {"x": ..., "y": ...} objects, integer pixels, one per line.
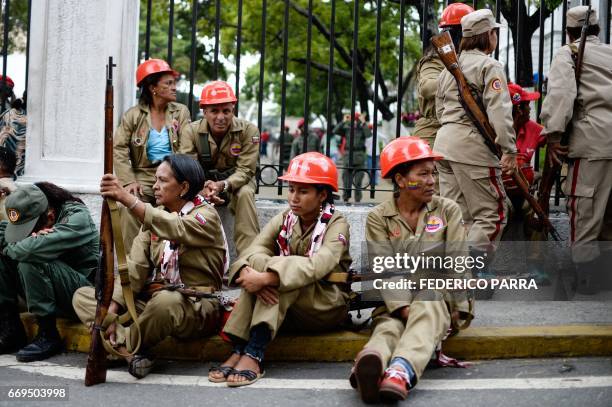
[{"x": 23, "y": 208}]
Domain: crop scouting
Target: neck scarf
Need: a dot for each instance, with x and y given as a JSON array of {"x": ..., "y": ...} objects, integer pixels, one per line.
[{"x": 284, "y": 237}]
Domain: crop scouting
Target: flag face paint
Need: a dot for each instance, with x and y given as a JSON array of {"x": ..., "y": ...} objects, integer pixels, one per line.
[{"x": 413, "y": 185}]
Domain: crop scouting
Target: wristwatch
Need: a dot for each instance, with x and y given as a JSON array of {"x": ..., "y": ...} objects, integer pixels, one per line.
[{"x": 225, "y": 186}]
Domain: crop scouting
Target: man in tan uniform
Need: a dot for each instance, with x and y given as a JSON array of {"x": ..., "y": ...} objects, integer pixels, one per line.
[
  {"x": 470, "y": 173},
  {"x": 589, "y": 109},
  {"x": 228, "y": 149}
]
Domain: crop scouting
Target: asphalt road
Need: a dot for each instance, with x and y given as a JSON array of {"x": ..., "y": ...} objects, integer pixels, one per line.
[{"x": 518, "y": 382}]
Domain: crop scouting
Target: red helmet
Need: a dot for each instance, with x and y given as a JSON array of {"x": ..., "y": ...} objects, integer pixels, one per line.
[
  {"x": 518, "y": 94},
  {"x": 151, "y": 66},
  {"x": 300, "y": 123},
  {"x": 217, "y": 92},
  {"x": 312, "y": 168},
  {"x": 9, "y": 82},
  {"x": 402, "y": 150},
  {"x": 453, "y": 13}
]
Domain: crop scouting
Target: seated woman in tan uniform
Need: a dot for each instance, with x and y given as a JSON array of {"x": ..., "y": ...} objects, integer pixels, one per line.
[
  {"x": 286, "y": 273},
  {"x": 181, "y": 244},
  {"x": 411, "y": 324}
]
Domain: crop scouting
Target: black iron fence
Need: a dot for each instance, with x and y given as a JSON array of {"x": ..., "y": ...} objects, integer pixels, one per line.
[{"x": 347, "y": 54}]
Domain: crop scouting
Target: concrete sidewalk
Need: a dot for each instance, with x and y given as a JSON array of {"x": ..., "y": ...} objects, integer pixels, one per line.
[{"x": 500, "y": 330}]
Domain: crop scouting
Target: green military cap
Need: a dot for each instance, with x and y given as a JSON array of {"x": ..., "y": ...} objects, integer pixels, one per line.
[
  {"x": 576, "y": 16},
  {"x": 23, "y": 208},
  {"x": 478, "y": 22}
]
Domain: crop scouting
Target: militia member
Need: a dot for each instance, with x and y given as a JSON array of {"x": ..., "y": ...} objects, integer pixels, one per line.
[
  {"x": 181, "y": 243},
  {"x": 7, "y": 178},
  {"x": 13, "y": 124},
  {"x": 227, "y": 148},
  {"x": 587, "y": 107},
  {"x": 146, "y": 134},
  {"x": 470, "y": 173},
  {"x": 312, "y": 144},
  {"x": 408, "y": 328},
  {"x": 49, "y": 250},
  {"x": 293, "y": 274},
  {"x": 362, "y": 132}
]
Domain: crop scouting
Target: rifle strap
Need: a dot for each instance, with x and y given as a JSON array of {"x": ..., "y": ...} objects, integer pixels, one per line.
[
  {"x": 126, "y": 288},
  {"x": 204, "y": 157}
]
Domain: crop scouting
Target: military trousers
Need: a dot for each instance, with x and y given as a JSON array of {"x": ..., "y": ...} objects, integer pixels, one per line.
[
  {"x": 297, "y": 310},
  {"x": 359, "y": 163},
  {"x": 46, "y": 287},
  {"x": 246, "y": 223},
  {"x": 589, "y": 190},
  {"x": 479, "y": 192},
  {"x": 414, "y": 340},
  {"x": 167, "y": 313}
]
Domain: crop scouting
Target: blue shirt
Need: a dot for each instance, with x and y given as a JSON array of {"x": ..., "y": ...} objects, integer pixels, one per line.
[{"x": 158, "y": 145}]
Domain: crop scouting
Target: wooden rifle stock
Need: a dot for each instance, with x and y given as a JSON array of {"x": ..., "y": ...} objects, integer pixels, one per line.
[
  {"x": 444, "y": 46},
  {"x": 550, "y": 172},
  {"x": 95, "y": 371}
]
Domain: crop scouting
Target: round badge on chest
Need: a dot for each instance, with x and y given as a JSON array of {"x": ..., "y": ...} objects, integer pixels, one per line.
[
  {"x": 235, "y": 149},
  {"x": 434, "y": 224}
]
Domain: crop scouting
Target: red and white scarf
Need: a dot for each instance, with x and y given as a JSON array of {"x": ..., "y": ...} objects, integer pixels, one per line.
[
  {"x": 284, "y": 237},
  {"x": 169, "y": 262}
]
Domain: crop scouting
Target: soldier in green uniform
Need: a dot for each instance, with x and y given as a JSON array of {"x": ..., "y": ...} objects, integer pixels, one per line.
[
  {"x": 362, "y": 132},
  {"x": 228, "y": 149},
  {"x": 293, "y": 274},
  {"x": 146, "y": 134},
  {"x": 181, "y": 243},
  {"x": 313, "y": 142},
  {"x": 411, "y": 324},
  {"x": 49, "y": 250}
]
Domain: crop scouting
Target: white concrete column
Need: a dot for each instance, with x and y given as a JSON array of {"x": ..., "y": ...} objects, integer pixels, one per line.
[{"x": 71, "y": 41}]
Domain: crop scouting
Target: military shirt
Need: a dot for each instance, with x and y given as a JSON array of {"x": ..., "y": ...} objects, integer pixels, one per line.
[
  {"x": 201, "y": 247},
  {"x": 239, "y": 149},
  {"x": 362, "y": 132},
  {"x": 313, "y": 144},
  {"x": 74, "y": 241},
  {"x": 592, "y": 116},
  {"x": 427, "y": 75},
  {"x": 439, "y": 229},
  {"x": 130, "y": 140},
  {"x": 458, "y": 139}
]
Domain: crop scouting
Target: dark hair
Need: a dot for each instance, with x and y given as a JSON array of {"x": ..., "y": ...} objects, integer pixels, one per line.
[
  {"x": 186, "y": 169},
  {"x": 56, "y": 196},
  {"x": 330, "y": 193},
  {"x": 145, "y": 93},
  {"x": 19, "y": 104},
  {"x": 575, "y": 32},
  {"x": 402, "y": 169},
  {"x": 456, "y": 34},
  {"x": 8, "y": 161},
  {"x": 480, "y": 41}
]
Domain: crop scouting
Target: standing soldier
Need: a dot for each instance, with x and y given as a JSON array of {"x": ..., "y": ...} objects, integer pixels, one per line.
[
  {"x": 313, "y": 142},
  {"x": 362, "y": 132},
  {"x": 146, "y": 134},
  {"x": 227, "y": 148},
  {"x": 428, "y": 70},
  {"x": 587, "y": 107},
  {"x": 470, "y": 174}
]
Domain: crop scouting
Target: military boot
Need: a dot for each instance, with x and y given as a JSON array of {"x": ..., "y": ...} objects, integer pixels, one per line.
[
  {"x": 12, "y": 334},
  {"x": 46, "y": 344}
]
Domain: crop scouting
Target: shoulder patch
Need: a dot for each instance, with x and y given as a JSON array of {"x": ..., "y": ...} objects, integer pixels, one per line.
[
  {"x": 255, "y": 139},
  {"x": 342, "y": 238},
  {"x": 496, "y": 85},
  {"x": 200, "y": 218}
]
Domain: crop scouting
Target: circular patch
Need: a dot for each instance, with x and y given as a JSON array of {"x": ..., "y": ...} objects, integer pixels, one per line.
[
  {"x": 235, "y": 149},
  {"x": 516, "y": 97},
  {"x": 13, "y": 214},
  {"x": 137, "y": 141},
  {"x": 496, "y": 85},
  {"x": 434, "y": 224}
]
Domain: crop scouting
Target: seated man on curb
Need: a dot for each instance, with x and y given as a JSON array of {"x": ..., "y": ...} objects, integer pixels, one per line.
[{"x": 49, "y": 250}]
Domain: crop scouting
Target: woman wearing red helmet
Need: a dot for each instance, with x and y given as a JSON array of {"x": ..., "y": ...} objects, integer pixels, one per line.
[
  {"x": 146, "y": 134},
  {"x": 411, "y": 324},
  {"x": 293, "y": 274}
]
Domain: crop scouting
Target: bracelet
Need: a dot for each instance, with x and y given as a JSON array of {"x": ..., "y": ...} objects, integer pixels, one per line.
[
  {"x": 225, "y": 186},
  {"x": 133, "y": 205}
]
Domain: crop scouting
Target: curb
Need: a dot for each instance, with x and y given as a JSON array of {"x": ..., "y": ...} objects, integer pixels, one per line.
[{"x": 475, "y": 343}]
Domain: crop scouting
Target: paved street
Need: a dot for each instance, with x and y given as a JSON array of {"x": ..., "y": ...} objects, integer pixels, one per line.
[{"x": 518, "y": 382}]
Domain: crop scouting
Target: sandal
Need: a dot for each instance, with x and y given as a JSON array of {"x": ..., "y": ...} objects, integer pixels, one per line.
[
  {"x": 250, "y": 376},
  {"x": 141, "y": 365},
  {"x": 225, "y": 370}
]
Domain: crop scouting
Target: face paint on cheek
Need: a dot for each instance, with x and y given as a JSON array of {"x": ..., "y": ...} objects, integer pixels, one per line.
[{"x": 414, "y": 185}]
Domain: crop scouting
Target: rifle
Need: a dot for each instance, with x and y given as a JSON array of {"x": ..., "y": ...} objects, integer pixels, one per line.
[
  {"x": 95, "y": 371},
  {"x": 446, "y": 51},
  {"x": 550, "y": 172}
]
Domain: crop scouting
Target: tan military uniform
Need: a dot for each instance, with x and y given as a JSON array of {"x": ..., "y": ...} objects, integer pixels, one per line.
[
  {"x": 427, "y": 75},
  {"x": 239, "y": 150},
  {"x": 201, "y": 261},
  {"x": 470, "y": 174},
  {"x": 429, "y": 317},
  {"x": 9, "y": 185},
  {"x": 130, "y": 155},
  {"x": 589, "y": 181},
  {"x": 307, "y": 302}
]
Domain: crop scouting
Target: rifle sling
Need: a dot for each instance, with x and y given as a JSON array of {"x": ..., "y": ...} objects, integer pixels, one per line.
[{"x": 205, "y": 157}]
